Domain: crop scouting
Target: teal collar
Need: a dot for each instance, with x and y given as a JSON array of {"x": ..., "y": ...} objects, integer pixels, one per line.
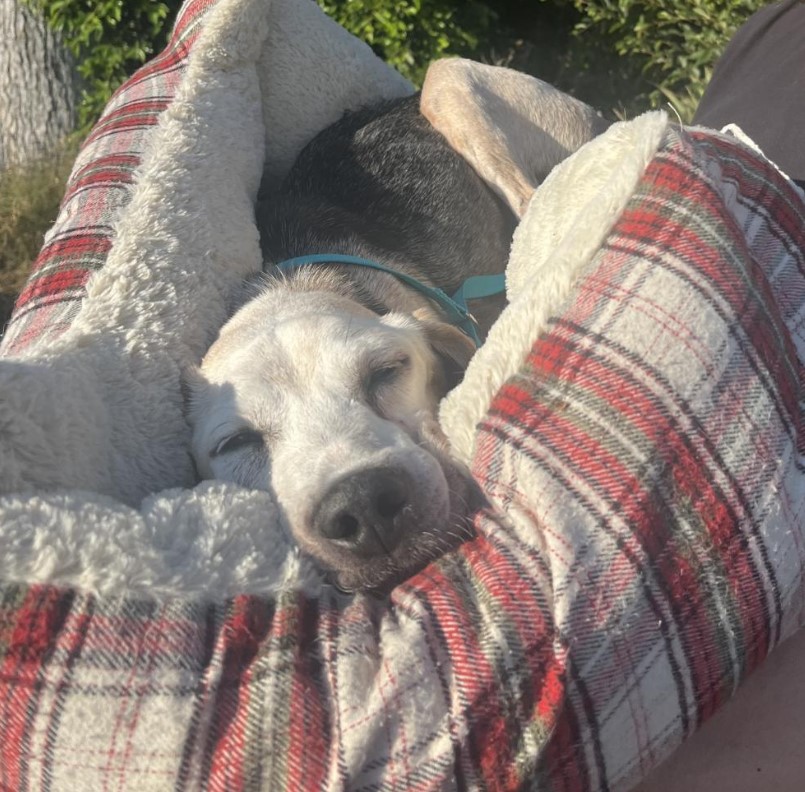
[{"x": 455, "y": 307}]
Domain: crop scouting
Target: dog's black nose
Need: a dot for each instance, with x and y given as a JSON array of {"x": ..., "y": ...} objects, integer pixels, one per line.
[{"x": 364, "y": 512}]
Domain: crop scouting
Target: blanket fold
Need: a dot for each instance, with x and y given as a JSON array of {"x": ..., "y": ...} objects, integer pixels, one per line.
[{"x": 635, "y": 419}]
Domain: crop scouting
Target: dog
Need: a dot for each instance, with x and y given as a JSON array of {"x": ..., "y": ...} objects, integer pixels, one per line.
[{"x": 324, "y": 386}]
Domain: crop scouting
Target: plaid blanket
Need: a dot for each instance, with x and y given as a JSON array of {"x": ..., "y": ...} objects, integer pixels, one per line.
[{"x": 642, "y": 553}]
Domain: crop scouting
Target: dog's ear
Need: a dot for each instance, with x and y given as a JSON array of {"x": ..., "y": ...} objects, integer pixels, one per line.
[
  {"x": 453, "y": 350},
  {"x": 191, "y": 380},
  {"x": 510, "y": 127}
]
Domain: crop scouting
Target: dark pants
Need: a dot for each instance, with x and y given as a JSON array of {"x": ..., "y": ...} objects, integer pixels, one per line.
[{"x": 759, "y": 84}]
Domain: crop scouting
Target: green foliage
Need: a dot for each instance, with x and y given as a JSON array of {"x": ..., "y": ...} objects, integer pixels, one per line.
[
  {"x": 409, "y": 34},
  {"x": 109, "y": 39},
  {"x": 626, "y": 53},
  {"x": 674, "y": 44}
]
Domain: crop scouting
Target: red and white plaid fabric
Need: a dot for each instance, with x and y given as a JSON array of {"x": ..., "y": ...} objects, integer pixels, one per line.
[
  {"x": 647, "y": 465},
  {"x": 98, "y": 188}
]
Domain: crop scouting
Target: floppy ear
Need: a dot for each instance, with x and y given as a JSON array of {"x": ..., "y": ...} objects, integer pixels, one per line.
[
  {"x": 452, "y": 347},
  {"x": 191, "y": 382},
  {"x": 512, "y": 128}
]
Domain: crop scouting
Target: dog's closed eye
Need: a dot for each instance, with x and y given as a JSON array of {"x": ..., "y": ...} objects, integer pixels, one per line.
[
  {"x": 386, "y": 374},
  {"x": 235, "y": 442}
]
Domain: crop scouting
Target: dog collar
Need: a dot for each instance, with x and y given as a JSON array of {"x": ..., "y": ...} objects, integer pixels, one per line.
[{"x": 455, "y": 307}]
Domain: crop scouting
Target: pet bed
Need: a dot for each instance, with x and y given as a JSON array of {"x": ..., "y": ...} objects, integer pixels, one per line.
[{"x": 635, "y": 419}]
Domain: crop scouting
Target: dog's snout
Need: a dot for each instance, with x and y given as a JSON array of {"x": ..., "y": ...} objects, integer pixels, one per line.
[{"x": 365, "y": 512}]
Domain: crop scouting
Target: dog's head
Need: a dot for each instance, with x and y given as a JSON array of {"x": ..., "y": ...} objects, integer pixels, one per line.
[{"x": 333, "y": 409}]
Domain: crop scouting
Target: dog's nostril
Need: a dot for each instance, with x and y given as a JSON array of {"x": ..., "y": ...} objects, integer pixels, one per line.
[{"x": 344, "y": 527}]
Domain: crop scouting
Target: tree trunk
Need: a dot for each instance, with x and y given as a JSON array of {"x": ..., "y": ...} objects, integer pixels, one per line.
[{"x": 38, "y": 86}]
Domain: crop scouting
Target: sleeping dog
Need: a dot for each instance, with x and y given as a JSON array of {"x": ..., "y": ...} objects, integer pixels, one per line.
[{"x": 323, "y": 387}]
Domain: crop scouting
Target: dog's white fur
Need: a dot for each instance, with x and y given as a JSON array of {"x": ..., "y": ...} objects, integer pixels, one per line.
[{"x": 285, "y": 401}]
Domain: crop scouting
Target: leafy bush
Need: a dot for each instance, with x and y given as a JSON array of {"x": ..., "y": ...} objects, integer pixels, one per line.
[
  {"x": 628, "y": 53},
  {"x": 675, "y": 44},
  {"x": 109, "y": 39},
  {"x": 409, "y": 34}
]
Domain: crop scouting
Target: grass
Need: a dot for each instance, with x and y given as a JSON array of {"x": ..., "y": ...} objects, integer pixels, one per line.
[{"x": 29, "y": 203}]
